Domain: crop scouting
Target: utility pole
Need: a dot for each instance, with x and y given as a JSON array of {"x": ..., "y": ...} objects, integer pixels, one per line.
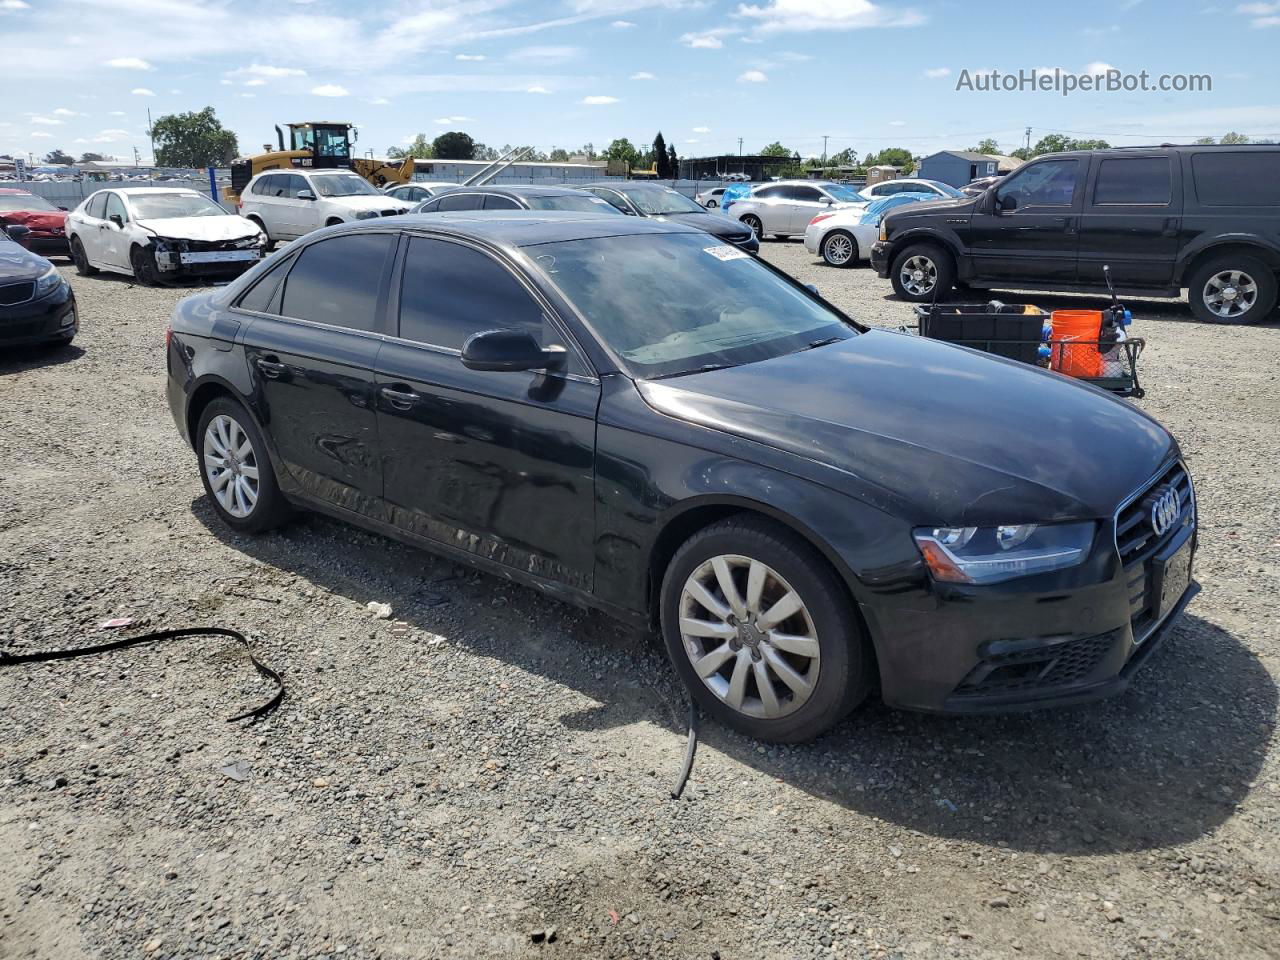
[
  {"x": 152, "y": 134},
  {"x": 824, "y": 151},
  {"x": 1028, "y": 139}
]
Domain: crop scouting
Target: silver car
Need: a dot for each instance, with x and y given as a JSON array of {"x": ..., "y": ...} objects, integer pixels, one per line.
[{"x": 784, "y": 209}]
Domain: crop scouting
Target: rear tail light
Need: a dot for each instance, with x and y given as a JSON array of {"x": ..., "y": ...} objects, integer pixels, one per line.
[
  {"x": 820, "y": 217},
  {"x": 168, "y": 336}
]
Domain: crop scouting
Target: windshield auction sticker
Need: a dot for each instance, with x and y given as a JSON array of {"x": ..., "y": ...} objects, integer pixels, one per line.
[{"x": 726, "y": 253}]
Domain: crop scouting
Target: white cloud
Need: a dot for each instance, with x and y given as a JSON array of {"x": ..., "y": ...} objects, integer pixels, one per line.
[
  {"x": 471, "y": 57},
  {"x": 379, "y": 101},
  {"x": 256, "y": 74},
  {"x": 935, "y": 73},
  {"x": 537, "y": 89},
  {"x": 329, "y": 90},
  {"x": 707, "y": 39},
  {"x": 544, "y": 54},
  {"x": 248, "y": 96},
  {"x": 642, "y": 75},
  {"x": 1264, "y": 14},
  {"x": 795, "y": 16},
  {"x": 897, "y": 123},
  {"x": 598, "y": 101},
  {"x": 1097, "y": 68},
  {"x": 128, "y": 63},
  {"x": 701, "y": 129},
  {"x": 46, "y": 121},
  {"x": 116, "y": 113},
  {"x": 622, "y": 24},
  {"x": 142, "y": 92},
  {"x": 753, "y": 76},
  {"x": 255, "y": 82},
  {"x": 14, "y": 5},
  {"x": 445, "y": 121},
  {"x": 40, "y": 135},
  {"x": 64, "y": 112}
]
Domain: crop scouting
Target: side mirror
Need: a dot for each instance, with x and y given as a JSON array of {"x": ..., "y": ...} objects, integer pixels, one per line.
[
  {"x": 63, "y": 209},
  {"x": 117, "y": 220},
  {"x": 812, "y": 288},
  {"x": 305, "y": 195},
  {"x": 18, "y": 233},
  {"x": 509, "y": 351},
  {"x": 828, "y": 201}
]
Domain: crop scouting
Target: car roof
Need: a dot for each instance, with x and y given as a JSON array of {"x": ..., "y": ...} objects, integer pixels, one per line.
[
  {"x": 526, "y": 228},
  {"x": 137, "y": 191},
  {"x": 521, "y": 190},
  {"x": 15, "y": 192}
]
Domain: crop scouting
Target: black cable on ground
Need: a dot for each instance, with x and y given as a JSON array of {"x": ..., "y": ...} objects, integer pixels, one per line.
[
  {"x": 690, "y": 749},
  {"x": 12, "y": 659}
]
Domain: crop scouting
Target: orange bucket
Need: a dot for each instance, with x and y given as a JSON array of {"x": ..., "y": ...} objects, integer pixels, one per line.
[{"x": 1083, "y": 360}]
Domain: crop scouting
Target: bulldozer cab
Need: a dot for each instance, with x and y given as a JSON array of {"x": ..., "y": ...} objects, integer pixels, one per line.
[{"x": 328, "y": 143}]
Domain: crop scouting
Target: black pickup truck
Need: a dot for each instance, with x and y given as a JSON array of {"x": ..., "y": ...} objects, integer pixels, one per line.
[{"x": 1201, "y": 218}]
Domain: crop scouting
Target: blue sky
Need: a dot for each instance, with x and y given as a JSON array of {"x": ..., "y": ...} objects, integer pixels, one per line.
[{"x": 81, "y": 74}]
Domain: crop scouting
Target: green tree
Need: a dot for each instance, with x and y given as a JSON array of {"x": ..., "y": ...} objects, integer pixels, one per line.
[
  {"x": 893, "y": 157},
  {"x": 59, "y": 157},
  {"x": 589, "y": 151},
  {"x": 454, "y": 145},
  {"x": 1234, "y": 137},
  {"x": 660, "y": 162},
  {"x": 1206, "y": 140},
  {"x": 195, "y": 139},
  {"x": 623, "y": 150},
  {"x": 845, "y": 158},
  {"x": 90, "y": 157},
  {"x": 419, "y": 149},
  {"x": 559, "y": 155},
  {"x": 673, "y": 162},
  {"x": 775, "y": 149},
  {"x": 1057, "y": 143},
  {"x": 987, "y": 145}
]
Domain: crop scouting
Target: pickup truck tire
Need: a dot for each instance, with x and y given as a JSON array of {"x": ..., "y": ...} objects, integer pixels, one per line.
[
  {"x": 1232, "y": 288},
  {"x": 922, "y": 272}
]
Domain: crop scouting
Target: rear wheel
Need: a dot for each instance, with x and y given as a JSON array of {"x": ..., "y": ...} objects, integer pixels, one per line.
[
  {"x": 236, "y": 470},
  {"x": 762, "y": 632},
  {"x": 712, "y": 203},
  {"x": 1232, "y": 288},
  {"x": 143, "y": 263},
  {"x": 81, "y": 259},
  {"x": 839, "y": 248},
  {"x": 922, "y": 272}
]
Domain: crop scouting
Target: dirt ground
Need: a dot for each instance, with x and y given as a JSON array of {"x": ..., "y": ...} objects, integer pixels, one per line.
[{"x": 485, "y": 773}]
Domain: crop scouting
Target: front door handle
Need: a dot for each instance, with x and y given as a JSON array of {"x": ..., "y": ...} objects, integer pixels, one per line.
[
  {"x": 400, "y": 396},
  {"x": 271, "y": 369}
]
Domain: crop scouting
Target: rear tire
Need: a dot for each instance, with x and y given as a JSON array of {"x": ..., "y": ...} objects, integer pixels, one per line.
[
  {"x": 1232, "y": 288},
  {"x": 241, "y": 486},
  {"x": 840, "y": 248},
  {"x": 81, "y": 259},
  {"x": 785, "y": 680},
  {"x": 923, "y": 272}
]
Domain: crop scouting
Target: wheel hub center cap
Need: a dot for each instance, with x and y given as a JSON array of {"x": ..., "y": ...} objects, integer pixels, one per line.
[
  {"x": 917, "y": 275},
  {"x": 749, "y": 636},
  {"x": 1230, "y": 293}
]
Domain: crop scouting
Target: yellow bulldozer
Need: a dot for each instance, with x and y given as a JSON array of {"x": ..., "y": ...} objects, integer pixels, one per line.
[{"x": 316, "y": 145}]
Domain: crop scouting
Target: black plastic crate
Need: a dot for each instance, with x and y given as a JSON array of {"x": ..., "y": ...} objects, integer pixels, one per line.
[{"x": 1010, "y": 330}]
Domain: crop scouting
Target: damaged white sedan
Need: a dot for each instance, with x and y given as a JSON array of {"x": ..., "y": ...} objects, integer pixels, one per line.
[{"x": 155, "y": 234}]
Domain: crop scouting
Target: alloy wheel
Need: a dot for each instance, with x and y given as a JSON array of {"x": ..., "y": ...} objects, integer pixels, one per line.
[
  {"x": 749, "y": 636},
  {"x": 231, "y": 466},
  {"x": 838, "y": 249},
  {"x": 755, "y": 226},
  {"x": 919, "y": 275},
  {"x": 1230, "y": 293}
]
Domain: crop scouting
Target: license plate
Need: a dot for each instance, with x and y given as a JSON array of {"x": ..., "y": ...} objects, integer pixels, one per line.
[
  {"x": 1175, "y": 579},
  {"x": 220, "y": 256}
]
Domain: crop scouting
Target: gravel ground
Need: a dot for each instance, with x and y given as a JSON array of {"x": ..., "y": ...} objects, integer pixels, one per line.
[{"x": 485, "y": 773}]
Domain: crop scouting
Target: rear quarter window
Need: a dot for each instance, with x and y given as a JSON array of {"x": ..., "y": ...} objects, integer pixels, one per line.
[{"x": 1237, "y": 178}]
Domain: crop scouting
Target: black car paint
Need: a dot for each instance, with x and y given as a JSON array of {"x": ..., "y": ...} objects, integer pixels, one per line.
[
  {"x": 717, "y": 224},
  {"x": 583, "y": 485},
  {"x": 48, "y": 319},
  {"x": 1150, "y": 249}
]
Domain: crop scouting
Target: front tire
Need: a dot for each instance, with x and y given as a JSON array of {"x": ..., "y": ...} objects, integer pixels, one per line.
[
  {"x": 1232, "y": 288},
  {"x": 762, "y": 632},
  {"x": 270, "y": 245},
  {"x": 236, "y": 469},
  {"x": 143, "y": 263},
  {"x": 839, "y": 248},
  {"x": 81, "y": 259},
  {"x": 922, "y": 272},
  {"x": 751, "y": 221}
]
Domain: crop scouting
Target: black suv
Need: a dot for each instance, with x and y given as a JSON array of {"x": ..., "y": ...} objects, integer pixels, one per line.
[{"x": 1201, "y": 218}]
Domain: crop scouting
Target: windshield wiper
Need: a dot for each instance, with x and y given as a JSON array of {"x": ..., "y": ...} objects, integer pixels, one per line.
[
  {"x": 705, "y": 368},
  {"x": 822, "y": 343}
]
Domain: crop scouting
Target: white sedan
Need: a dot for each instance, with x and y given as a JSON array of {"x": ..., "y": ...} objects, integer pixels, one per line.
[
  {"x": 844, "y": 236},
  {"x": 154, "y": 233}
]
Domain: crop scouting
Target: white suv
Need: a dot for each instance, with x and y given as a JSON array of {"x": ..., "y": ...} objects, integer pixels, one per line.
[{"x": 287, "y": 204}]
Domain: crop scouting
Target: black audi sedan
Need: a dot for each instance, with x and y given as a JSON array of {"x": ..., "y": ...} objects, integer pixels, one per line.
[
  {"x": 630, "y": 415},
  {"x": 37, "y": 305},
  {"x": 639, "y": 199}
]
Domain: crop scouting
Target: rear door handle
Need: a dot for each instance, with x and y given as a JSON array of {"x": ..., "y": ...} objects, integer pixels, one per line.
[
  {"x": 1170, "y": 227},
  {"x": 400, "y": 396},
  {"x": 271, "y": 369}
]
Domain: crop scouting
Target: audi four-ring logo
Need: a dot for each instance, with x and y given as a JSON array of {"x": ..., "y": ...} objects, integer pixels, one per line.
[{"x": 1165, "y": 512}]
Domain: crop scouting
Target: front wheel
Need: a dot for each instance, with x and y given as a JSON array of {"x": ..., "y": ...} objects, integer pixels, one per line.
[
  {"x": 236, "y": 470},
  {"x": 81, "y": 259},
  {"x": 922, "y": 272},
  {"x": 1232, "y": 288},
  {"x": 762, "y": 632},
  {"x": 839, "y": 248},
  {"x": 143, "y": 263},
  {"x": 754, "y": 224}
]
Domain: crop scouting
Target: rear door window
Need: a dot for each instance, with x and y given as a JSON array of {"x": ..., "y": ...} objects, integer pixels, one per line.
[
  {"x": 495, "y": 202},
  {"x": 1237, "y": 178},
  {"x": 1134, "y": 180},
  {"x": 460, "y": 201},
  {"x": 340, "y": 281}
]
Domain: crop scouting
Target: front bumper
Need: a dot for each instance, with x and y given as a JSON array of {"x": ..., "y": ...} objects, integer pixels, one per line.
[
  {"x": 50, "y": 319},
  {"x": 49, "y": 246},
  {"x": 175, "y": 262},
  {"x": 881, "y": 251}
]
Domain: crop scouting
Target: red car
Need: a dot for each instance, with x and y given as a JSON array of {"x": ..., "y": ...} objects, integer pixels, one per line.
[{"x": 47, "y": 223}]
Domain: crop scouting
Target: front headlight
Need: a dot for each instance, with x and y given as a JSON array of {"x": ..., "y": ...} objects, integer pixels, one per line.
[
  {"x": 366, "y": 214},
  {"x": 884, "y": 231},
  {"x": 47, "y": 282},
  {"x": 983, "y": 555}
]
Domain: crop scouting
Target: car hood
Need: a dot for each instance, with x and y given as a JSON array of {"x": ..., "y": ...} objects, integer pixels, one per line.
[
  {"x": 368, "y": 201},
  {"x": 40, "y": 221},
  {"x": 964, "y": 205},
  {"x": 18, "y": 263},
  {"x": 712, "y": 223},
  {"x": 229, "y": 227},
  {"x": 935, "y": 433}
]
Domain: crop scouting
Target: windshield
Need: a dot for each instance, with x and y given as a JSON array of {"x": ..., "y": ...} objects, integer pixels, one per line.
[
  {"x": 656, "y": 202},
  {"x": 946, "y": 188},
  {"x": 678, "y": 303},
  {"x": 14, "y": 202},
  {"x": 343, "y": 185},
  {"x": 573, "y": 203},
  {"x": 158, "y": 206},
  {"x": 842, "y": 193}
]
